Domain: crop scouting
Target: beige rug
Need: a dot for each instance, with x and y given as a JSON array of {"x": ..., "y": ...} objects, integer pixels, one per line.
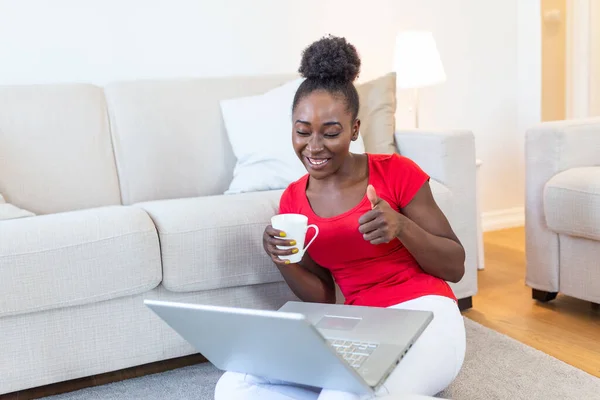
[
  {"x": 496, "y": 368},
  {"x": 499, "y": 367}
]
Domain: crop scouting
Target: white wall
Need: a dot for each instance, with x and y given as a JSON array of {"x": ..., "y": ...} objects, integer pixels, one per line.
[
  {"x": 529, "y": 95},
  {"x": 488, "y": 68}
]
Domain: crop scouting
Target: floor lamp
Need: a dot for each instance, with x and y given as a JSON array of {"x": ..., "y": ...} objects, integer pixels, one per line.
[{"x": 417, "y": 64}]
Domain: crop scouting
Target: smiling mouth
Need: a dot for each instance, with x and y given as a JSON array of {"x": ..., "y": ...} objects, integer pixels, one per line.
[{"x": 317, "y": 162}]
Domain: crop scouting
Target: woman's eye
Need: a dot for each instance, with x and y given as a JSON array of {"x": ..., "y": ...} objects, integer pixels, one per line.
[
  {"x": 332, "y": 135},
  {"x": 302, "y": 133}
]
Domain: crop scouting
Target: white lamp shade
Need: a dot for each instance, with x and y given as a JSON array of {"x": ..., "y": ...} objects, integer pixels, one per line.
[{"x": 417, "y": 61}]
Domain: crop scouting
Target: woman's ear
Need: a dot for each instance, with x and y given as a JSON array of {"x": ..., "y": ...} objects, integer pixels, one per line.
[{"x": 355, "y": 129}]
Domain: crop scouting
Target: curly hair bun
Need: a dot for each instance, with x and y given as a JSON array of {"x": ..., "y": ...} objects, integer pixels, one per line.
[{"x": 330, "y": 58}]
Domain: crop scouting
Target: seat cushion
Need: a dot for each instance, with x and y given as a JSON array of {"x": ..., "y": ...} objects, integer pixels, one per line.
[
  {"x": 76, "y": 257},
  {"x": 572, "y": 202},
  {"x": 214, "y": 241}
]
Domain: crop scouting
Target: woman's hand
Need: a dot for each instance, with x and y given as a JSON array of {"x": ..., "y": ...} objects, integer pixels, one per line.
[
  {"x": 382, "y": 224},
  {"x": 271, "y": 241},
  {"x": 309, "y": 281}
]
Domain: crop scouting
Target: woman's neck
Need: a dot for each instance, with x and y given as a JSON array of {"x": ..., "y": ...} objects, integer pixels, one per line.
[{"x": 350, "y": 172}]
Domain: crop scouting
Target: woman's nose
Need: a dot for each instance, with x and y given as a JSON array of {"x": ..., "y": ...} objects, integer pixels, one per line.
[{"x": 315, "y": 143}]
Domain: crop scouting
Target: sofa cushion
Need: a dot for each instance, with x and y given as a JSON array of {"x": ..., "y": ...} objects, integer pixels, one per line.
[
  {"x": 10, "y": 211},
  {"x": 377, "y": 113},
  {"x": 167, "y": 131},
  {"x": 215, "y": 241},
  {"x": 572, "y": 202},
  {"x": 56, "y": 152},
  {"x": 76, "y": 257}
]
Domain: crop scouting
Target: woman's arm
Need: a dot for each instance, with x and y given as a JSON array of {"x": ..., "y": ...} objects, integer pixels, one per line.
[
  {"x": 309, "y": 281},
  {"x": 422, "y": 228},
  {"x": 428, "y": 236}
]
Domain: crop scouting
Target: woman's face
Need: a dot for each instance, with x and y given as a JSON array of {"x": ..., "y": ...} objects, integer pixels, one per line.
[{"x": 322, "y": 131}]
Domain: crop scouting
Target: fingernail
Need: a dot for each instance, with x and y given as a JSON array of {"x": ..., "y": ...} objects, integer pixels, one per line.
[
  {"x": 282, "y": 234},
  {"x": 293, "y": 243},
  {"x": 294, "y": 251}
]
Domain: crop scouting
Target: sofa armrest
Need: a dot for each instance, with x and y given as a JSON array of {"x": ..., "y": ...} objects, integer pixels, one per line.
[
  {"x": 551, "y": 148},
  {"x": 449, "y": 157}
]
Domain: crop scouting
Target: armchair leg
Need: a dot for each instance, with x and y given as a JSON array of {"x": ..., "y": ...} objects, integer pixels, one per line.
[
  {"x": 543, "y": 296},
  {"x": 465, "y": 304}
]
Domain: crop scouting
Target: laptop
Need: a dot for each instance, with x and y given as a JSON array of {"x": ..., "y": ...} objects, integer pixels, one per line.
[{"x": 333, "y": 346}]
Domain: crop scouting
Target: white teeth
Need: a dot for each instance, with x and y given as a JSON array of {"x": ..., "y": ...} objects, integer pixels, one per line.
[{"x": 314, "y": 161}]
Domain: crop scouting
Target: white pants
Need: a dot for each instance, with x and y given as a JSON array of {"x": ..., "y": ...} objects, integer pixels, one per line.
[{"x": 428, "y": 368}]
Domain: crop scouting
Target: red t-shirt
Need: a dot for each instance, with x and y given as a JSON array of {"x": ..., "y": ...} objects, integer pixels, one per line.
[{"x": 372, "y": 275}]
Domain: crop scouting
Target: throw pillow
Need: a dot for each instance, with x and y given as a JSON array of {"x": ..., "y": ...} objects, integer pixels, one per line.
[
  {"x": 9, "y": 211},
  {"x": 377, "y": 113},
  {"x": 259, "y": 131}
]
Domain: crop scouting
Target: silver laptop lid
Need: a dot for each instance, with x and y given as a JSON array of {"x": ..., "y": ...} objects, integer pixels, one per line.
[{"x": 271, "y": 344}]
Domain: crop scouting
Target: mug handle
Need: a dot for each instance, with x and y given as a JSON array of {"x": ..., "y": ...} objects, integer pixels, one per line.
[{"x": 316, "y": 228}]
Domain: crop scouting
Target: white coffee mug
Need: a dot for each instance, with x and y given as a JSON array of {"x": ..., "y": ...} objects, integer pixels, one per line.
[{"x": 295, "y": 227}]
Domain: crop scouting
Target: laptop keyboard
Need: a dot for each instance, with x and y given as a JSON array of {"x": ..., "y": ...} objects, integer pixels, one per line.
[{"x": 355, "y": 353}]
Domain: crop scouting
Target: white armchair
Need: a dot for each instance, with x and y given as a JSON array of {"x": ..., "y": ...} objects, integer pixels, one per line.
[{"x": 562, "y": 213}]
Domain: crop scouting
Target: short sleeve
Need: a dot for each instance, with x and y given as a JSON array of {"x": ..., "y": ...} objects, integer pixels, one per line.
[
  {"x": 286, "y": 201},
  {"x": 408, "y": 179}
]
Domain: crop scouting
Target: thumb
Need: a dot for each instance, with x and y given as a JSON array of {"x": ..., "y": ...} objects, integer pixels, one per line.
[{"x": 372, "y": 196}]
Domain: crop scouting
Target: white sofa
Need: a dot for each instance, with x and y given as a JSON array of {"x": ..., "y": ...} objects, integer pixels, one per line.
[
  {"x": 126, "y": 182},
  {"x": 563, "y": 209}
]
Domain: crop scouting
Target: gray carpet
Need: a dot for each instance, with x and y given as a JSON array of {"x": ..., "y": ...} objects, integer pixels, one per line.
[{"x": 496, "y": 367}]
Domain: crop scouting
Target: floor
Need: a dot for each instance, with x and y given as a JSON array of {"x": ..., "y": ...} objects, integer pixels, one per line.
[{"x": 565, "y": 328}]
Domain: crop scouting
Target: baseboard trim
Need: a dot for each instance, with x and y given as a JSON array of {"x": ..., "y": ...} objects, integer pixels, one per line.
[{"x": 503, "y": 219}]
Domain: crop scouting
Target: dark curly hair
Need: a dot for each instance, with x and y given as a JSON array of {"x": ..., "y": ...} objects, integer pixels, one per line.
[{"x": 330, "y": 64}]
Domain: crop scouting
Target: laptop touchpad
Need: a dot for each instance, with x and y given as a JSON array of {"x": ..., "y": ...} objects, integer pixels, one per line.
[{"x": 338, "y": 323}]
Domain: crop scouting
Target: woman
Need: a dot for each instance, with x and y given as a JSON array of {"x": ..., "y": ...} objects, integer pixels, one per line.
[{"x": 382, "y": 237}]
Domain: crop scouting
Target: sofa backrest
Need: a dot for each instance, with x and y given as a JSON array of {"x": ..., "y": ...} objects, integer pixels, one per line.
[
  {"x": 169, "y": 135},
  {"x": 73, "y": 146},
  {"x": 55, "y": 148}
]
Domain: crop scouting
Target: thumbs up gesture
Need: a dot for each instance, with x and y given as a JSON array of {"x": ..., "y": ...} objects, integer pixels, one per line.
[
  {"x": 372, "y": 196},
  {"x": 382, "y": 223}
]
